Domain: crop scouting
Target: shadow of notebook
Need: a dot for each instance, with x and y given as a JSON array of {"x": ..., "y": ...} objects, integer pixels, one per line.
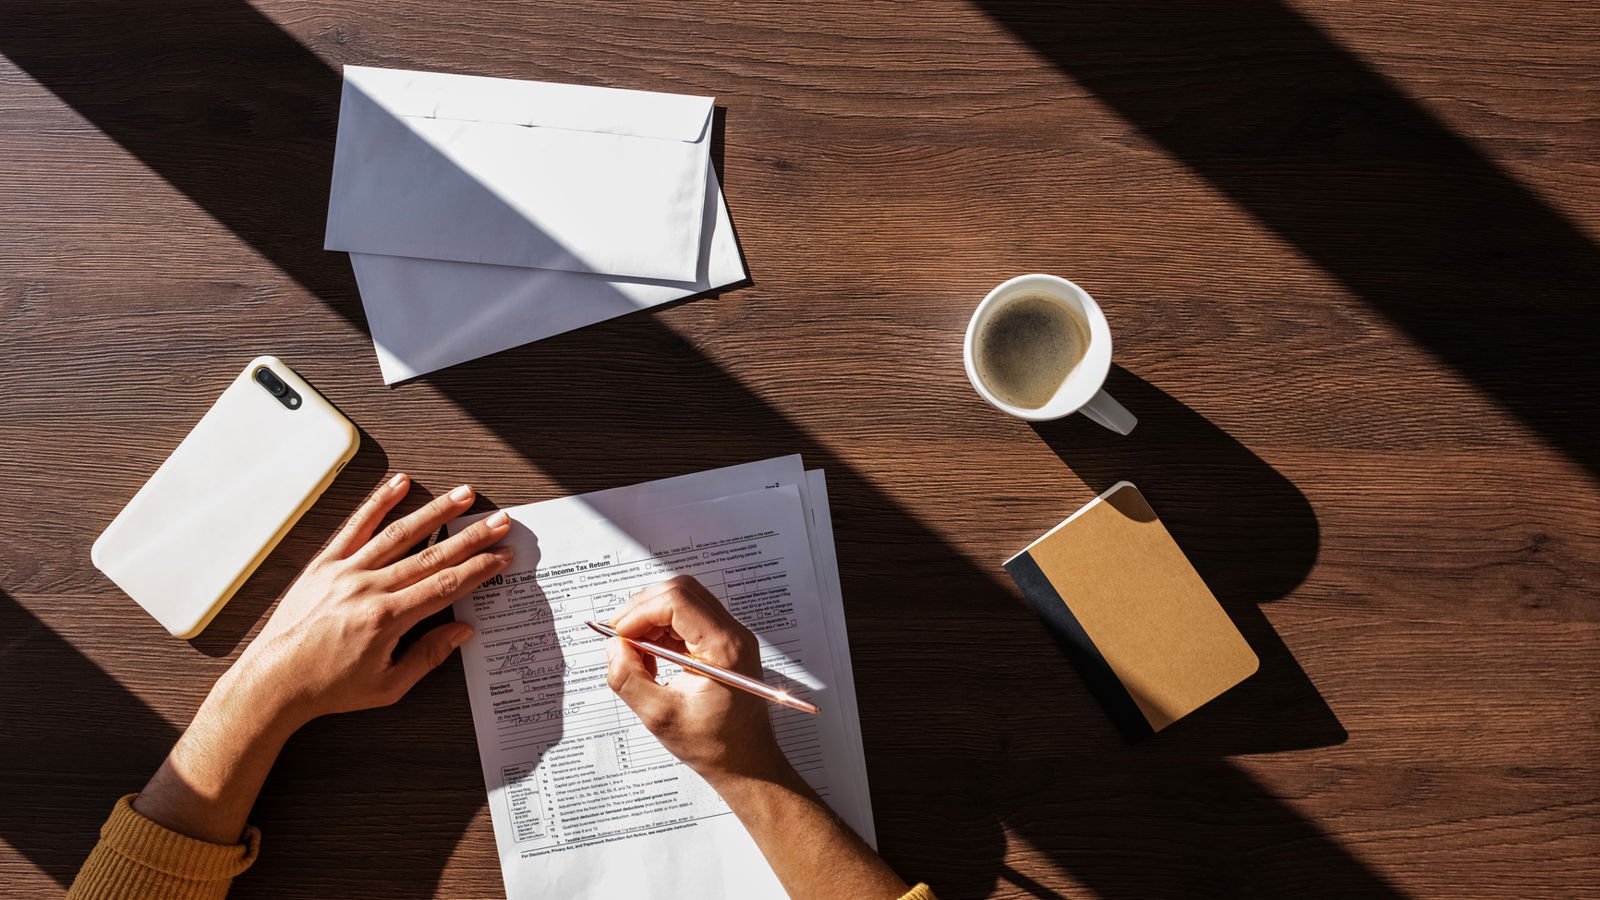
[{"x": 1115, "y": 589}]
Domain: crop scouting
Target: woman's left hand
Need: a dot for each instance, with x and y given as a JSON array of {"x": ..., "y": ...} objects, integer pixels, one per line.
[{"x": 329, "y": 645}]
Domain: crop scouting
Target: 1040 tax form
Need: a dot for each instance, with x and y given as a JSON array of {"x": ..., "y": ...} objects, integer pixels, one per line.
[{"x": 584, "y": 800}]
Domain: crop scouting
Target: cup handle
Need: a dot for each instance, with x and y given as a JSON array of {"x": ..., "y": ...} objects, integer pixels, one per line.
[{"x": 1105, "y": 411}]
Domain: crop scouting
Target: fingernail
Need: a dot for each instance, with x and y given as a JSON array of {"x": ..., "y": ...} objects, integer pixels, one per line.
[
  {"x": 503, "y": 554},
  {"x": 461, "y": 636},
  {"x": 462, "y": 494},
  {"x": 398, "y": 479},
  {"x": 499, "y": 520}
]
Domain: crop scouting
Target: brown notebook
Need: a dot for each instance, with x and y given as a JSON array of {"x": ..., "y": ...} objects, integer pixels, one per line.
[{"x": 1117, "y": 592}]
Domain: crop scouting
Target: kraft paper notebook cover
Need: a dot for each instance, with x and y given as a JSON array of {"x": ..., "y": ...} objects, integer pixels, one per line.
[{"x": 1115, "y": 589}]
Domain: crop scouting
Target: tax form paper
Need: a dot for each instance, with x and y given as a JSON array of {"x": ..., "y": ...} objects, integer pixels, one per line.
[{"x": 585, "y": 801}]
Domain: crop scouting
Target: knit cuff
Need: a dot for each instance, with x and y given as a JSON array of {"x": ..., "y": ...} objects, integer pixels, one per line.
[
  {"x": 154, "y": 846},
  {"x": 920, "y": 892}
]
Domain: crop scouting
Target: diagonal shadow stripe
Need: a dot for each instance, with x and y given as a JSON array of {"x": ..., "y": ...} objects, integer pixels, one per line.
[
  {"x": 63, "y": 713},
  {"x": 1331, "y": 155},
  {"x": 236, "y": 115}
]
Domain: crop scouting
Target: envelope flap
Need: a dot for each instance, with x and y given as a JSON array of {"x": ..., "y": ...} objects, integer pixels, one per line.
[{"x": 534, "y": 104}]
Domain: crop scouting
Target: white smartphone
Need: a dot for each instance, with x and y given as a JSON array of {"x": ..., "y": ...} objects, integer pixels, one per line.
[{"x": 258, "y": 459}]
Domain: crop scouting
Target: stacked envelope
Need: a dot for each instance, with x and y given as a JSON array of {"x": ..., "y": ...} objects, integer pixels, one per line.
[{"x": 485, "y": 213}]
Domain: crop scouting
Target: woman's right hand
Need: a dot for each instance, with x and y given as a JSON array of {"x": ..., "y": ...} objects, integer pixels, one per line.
[
  {"x": 726, "y": 736},
  {"x": 719, "y": 732}
]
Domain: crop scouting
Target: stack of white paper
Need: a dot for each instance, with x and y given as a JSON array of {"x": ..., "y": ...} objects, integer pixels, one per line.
[
  {"x": 484, "y": 213},
  {"x": 570, "y": 770}
]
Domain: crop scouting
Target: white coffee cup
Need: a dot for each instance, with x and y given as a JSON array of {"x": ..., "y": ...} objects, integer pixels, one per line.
[{"x": 1081, "y": 390}]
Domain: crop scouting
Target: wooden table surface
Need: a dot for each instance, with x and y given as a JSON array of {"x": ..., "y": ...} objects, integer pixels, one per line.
[{"x": 1348, "y": 253}]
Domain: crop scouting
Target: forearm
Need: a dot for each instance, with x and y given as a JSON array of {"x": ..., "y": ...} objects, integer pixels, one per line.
[
  {"x": 184, "y": 836},
  {"x": 814, "y": 853},
  {"x": 209, "y": 782}
]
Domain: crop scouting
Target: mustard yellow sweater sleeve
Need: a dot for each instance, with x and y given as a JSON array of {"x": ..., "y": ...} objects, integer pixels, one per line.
[{"x": 137, "y": 859}]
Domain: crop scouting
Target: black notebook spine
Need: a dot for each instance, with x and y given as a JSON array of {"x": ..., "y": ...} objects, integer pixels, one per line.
[{"x": 1069, "y": 633}]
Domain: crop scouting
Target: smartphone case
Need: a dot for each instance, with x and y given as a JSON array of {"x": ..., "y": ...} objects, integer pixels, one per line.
[{"x": 221, "y": 502}]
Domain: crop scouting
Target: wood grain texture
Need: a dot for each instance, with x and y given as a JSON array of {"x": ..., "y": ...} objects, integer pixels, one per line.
[{"x": 1348, "y": 253}]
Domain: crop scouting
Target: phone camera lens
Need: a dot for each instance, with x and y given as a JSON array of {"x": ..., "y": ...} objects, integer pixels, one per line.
[{"x": 271, "y": 382}]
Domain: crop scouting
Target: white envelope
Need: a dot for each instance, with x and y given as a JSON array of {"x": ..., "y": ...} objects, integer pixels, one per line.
[
  {"x": 427, "y": 314},
  {"x": 484, "y": 213},
  {"x": 520, "y": 173}
]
